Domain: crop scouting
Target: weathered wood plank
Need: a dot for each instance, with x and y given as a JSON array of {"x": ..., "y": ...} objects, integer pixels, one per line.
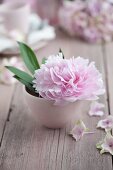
[
  {"x": 108, "y": 57},
  {"x": 6, "y": 93},
  {"x": 26, "y": 145}
]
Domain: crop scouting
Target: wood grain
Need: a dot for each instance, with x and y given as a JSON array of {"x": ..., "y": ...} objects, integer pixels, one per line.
[
  {"x": 108, "y": 58},
  {"x": 26, "y": 145},
  {"x": 6, "y": 94}
]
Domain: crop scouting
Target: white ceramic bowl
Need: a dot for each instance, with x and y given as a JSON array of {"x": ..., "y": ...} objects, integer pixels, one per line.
[{"x": 50, "y": 115}]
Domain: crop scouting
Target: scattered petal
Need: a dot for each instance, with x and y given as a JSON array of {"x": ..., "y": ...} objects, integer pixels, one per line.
[
  {"x": 106, "y": 145},
  {"x": 79, "y": 130},
  {"x": 96, "y": 109},
  {"x": 106, "y": 123}
]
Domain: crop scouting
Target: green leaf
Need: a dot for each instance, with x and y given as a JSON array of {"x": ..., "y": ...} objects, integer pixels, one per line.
[
  {"x": 28, "y": 85},
  {"x": 44, "y": 60},
  {"x": 29, "y": 57},
  {"x": 21, "y": 74},
  {"x": 60, "y": 51}
]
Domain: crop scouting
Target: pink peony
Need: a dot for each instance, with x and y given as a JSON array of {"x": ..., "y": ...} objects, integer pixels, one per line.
[{"x": 68, "y": 80}]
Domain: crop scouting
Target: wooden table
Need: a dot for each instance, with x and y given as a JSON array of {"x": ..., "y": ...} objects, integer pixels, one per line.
[{"x": 24, "y": 145}]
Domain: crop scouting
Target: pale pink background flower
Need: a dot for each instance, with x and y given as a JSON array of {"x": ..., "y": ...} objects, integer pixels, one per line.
[
  {"x": 68, "y": 80},
  {"x": 66, "y": 19},
  {"x": 6, "y": 77},
  {"x": 91, "y": 20},
  {"x": 106, "y": 145},
  {"x": 106, "y": 123},
  {"x": 91, "y": 34},
  {"x": 96, "y": 109}
]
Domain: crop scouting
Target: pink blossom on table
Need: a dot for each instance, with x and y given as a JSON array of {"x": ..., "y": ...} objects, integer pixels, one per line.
[
  {"x": 91, "y": 20},
  {"x": 106, "y": 146},
  {"x": 79, "y": 130},
  {"x": 68, "y": 80},
  {"x": 67, "y": 24},
  {"x": 78, "y": 5},
  {"x": 79, "y": 23},
  {"x": 66, "y": 19},
  {"x": 96, "y": 109},
  {"x": 91, "y": 34},
  {"x": 106, "y": 123},
  {"x": 94, "y": 7},
  {"x": 6, "y": 77}
]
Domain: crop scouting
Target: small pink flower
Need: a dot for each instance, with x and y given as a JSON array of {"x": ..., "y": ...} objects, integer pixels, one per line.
[
  {"x": 68, "y": 80},
  {"x": 106, "y": 123},
  {"x": 96, "y": 109},
  {"x": 5, "y": 75},
  {"x": 106, "y": 145},
  {"x": 79, "y": 131}
]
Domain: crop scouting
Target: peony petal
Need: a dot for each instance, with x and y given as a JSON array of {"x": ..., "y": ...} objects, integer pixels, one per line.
[
  {"x": 96, "y": 109},
  {"x": 106, "y": 145},
  {"x": 106, "y": 123},
  {"x": 79, "y": 130}
]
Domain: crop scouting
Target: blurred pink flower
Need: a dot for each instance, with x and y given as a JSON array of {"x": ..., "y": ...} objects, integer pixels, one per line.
[
  {"x": 5, "y": 75},
  {"x": 91, "y": 34},
  {"x": 106, "y": 145},
  {"x": 96, "y": 109},
  {"x": 91, "y": 20},
  {"x": 68, "y": 80},
  {"x": 94, "y": 7},
  {"x": 106, "y": 123},
  {"x": 79, "y": 130},
  {"x": 66, "y": 19}
]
